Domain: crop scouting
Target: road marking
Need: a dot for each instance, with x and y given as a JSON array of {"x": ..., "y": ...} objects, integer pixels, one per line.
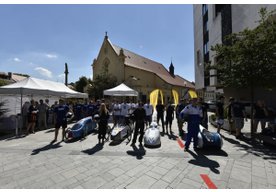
[
  {"x": 208, "y": 181},
  {"x": 180, "y": 143}
]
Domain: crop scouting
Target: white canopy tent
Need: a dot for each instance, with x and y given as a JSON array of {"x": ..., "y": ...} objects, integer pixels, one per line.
[
  {"x": 37, "y": 87},
  {"x": 34, "y": 86},
  {"x": 121, "y": 90}
]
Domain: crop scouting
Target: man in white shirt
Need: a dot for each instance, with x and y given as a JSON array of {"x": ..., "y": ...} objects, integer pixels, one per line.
[
  {"x": 124, "y": 111},
  {"x": 116, "y": 112},
  {"x": 149, "y": 111}
]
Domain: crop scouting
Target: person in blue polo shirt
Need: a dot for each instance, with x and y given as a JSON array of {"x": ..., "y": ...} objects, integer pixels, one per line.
[
  {"x": 60, "y": 113},
  {"x": 192, "y": 113}
]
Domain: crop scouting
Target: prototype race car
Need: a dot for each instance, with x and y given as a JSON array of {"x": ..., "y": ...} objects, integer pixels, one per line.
[
  {"x": 121, "y": 131},
  {"x": 80, "y": 129},
  {"x": 152, "y": 136},
  {"x": 207, "y": 139}
]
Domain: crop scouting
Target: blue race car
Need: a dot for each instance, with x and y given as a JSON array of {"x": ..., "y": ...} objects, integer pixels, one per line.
[
  {"x": 80, "y": 129},
  {"x": 207, "y": 139}
]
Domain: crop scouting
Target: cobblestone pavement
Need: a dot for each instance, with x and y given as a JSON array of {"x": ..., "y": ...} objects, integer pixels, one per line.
[{"x": 32, "y": 162}]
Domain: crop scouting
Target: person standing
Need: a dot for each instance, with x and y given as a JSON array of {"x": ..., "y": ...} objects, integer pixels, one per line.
[
  {"x": 160, "y": 108},
  {"x": 192, "y": 113},
  {"x": 204, "y": 106},
  {"x": 32, "y": 117},
  {"x": 238, "y": 114},
  {"x": 139, "y": 118},
  {"x": 220, "y": 112},
  {"x": 169, "y": 117},
  {"x": 149, "y": 111},
  {"x": 229, "y": 114},
  {"x": 180, "y": 122},
  {"x": 103, "y": 122},
  {"x": 47, "y": 112},
  {"x": 124, "y": 111},
  {"x": 61, "y": 121},
  {"x": 25, "y": 111},
  {"x": 116, "y": 112},
  {"x": 260, "y": 115},
  {"x": 42, "y": 110}
]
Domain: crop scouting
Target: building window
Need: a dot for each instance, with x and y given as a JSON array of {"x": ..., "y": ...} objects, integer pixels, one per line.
[
  {"x": 205, "y": 48},
  {"x": 218, "y": 8},
  {"x": 204, "y": 9},
  {"x": 198, "y": 57}
]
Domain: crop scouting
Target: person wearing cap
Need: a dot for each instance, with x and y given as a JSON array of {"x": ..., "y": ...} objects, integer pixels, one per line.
[
  {"x": 220, "y": 112},
  {"x": 192, "y": 113}
]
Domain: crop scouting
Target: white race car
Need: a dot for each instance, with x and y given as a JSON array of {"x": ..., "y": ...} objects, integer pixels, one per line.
[{"x": 152, "y": 136}]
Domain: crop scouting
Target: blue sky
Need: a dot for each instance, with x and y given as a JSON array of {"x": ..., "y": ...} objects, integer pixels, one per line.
[{"x": 38, "y": 39}]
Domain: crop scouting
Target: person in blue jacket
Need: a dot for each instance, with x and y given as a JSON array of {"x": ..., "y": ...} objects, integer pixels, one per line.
[
  {"x": 192, "y": 113},
  {"x": 61, "y": 121}
]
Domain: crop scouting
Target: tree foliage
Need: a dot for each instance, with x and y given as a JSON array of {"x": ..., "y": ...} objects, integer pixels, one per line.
[
  {"x": 100, "y": 83},
  {"x": 81, "y": 83},
  {"x": 249, "y": 59}
]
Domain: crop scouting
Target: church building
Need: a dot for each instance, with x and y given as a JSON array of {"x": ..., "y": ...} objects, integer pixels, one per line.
[{"x": 138, "y": 72}]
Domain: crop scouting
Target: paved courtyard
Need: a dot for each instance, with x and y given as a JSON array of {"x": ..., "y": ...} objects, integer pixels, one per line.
[{"x": 33, "y": 162}]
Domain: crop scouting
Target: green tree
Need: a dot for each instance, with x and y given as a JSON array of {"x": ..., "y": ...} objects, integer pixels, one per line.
[
  {"x": 248, "y": 59},
  {"x": 81, "y": 83},
  {"x": 100, "y": 83}
]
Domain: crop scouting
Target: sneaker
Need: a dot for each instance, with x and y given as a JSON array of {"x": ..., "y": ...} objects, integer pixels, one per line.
[
  {"x": 132, "y": 144},
  {"x": 186, "y": 149}
]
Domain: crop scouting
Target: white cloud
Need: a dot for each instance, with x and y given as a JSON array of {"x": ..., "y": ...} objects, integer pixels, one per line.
[
  {"x": 51, "y": 56},
  {"x": 44, "y": 72},
  {"x": 141, "y": 46},
  {"x": 16, "y": 59},
  {"x": 61, "y": 76}
]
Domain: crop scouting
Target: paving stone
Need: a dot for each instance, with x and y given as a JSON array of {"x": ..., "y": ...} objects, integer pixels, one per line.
[
  {"x": 259, "y": 186},
  {"x": 259, "y": 171},
  {"x": 144, "y": 182},
  {"x": 109, "y": 185},
  {"x": 70, "y": 173},
  {"x": 154, "y": 175},
  {"x": 122, "y": 179},
  {"x": 93, "y": 183},
  {"x": 259, "y": 163},
  {"x": 136, "y": 170},
  {"x": 241, "y": 175},
  {"x": 238, "y": 184},
  {"x": 160, "y": 184},
  {"x": 160, "y": 170},
  {"x": 116, "y": 172},
  {"x": 185, "y": 186},
  {"x": 192, "y": 182},
  {"x": 171, "y": 175}
]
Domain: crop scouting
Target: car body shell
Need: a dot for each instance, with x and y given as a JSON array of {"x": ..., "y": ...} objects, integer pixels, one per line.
[
  {"x": 82, "y": 128},
  {"x": 152, "y": 136},
  {"x": 207, "y": 139}
]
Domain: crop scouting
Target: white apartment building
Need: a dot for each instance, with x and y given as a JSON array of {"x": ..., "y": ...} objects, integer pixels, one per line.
[{"x": 212, "y": 22}]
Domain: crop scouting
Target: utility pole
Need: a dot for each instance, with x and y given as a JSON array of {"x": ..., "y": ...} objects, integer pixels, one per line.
[{"x": 66, "y": 74}]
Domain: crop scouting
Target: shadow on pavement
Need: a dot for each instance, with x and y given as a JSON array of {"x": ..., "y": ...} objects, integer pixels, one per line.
[
  {"x": 202, "y": 161},
  {"x": 254, "y": 147},
  {"x": 47, "y": 147},
  {"x": 94, "y": 150},
  {"x": 8, "y": 138},
  {"x": 139, "y": 153}
]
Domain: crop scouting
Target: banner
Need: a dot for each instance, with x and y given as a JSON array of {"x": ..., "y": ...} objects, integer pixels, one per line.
[
  {"x": 175, "y": 96},
  {"x": 154, "y": 97},
  {"x": 192, "y": 94}
]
